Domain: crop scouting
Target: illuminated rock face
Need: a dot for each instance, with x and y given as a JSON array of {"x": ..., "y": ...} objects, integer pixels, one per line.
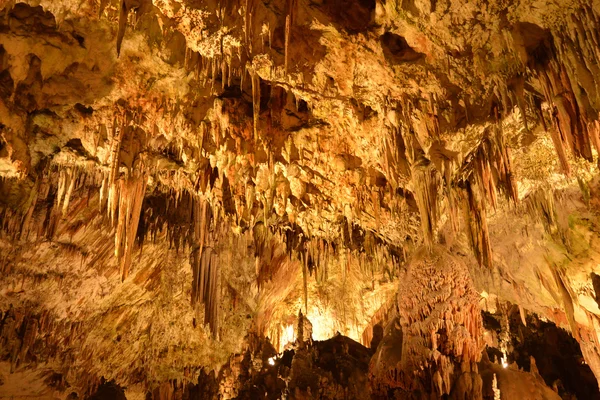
[{"x": 178, "y": 175}]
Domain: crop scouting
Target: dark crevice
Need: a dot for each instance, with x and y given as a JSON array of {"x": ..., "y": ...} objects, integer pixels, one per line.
[
  {"x": 83, "y": 110},
  {"x": 537, "y": 42},
  {"x": 397, "y": 50},
  {"x": 354, "y": 17},
  {"x": 596, "y": 284},
  {"x": 108, "y": 391}
]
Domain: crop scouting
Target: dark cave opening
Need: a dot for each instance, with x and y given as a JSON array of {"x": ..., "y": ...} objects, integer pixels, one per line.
[{"x": 557, "y": 354}]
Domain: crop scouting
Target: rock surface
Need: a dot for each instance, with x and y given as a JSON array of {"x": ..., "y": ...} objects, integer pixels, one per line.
[{"x": 179, "y": 175}]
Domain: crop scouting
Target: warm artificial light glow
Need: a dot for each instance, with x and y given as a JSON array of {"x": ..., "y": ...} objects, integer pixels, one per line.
[
  {"x": 287, "y": 337},
  {"x": 323, "y": 323}
]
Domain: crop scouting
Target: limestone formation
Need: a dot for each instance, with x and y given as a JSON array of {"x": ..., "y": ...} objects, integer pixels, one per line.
[{"x": 181, "y": 179}]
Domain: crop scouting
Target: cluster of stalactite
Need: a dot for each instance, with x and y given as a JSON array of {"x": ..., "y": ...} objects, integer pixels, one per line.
[
  {"x": 50, "y": 199},
  {"x": 190, "y": 223},
  {"x": 205, "y": 267},
  {"x": 27, "y": 339},
  {"x": 31, "y": 212},
  {"x": 122, "y": 193},
  {"x": 436, "y": 179},
  {"x": 220, "y": 72},
  {"x": 441, "y": 328},
  {"x": 547, "y": 69},
  {"x": 485, "y": 172},
  {"x": 566, "y": 66},
  {"x": 131, "y": 213},
  {"x": 227, "y": 64},
  {"x": 542, "y": 206}
]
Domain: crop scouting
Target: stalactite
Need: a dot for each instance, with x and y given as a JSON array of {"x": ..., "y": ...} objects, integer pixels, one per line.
[
  {"x": 518, "y": 88},
  {"x": 255, "y": 102},
  {"x": 492, "y": 165},
  {"x": 305, "y": 280},
  {"x": 123, "y": 12},
  {"x": 198, "y": 67},
  {"x": 229, "y": 71},
  {"x": 287, "y": 42},
  {"x": 214, "y": 64},
  {"x": 594, "y": 131},
  {"x": 103, "y": 4},
  {"x": 567, "y": 301},
  {"x": 376, "y": 205},
  {"x": 434, "y": 129},
  {"x": 114, "y": 161},
  {"x": 476, "y": 224},
  {"x": 427, "y": 182},
  {"x": 396, "y": 164},
  {"x": 103, "y": 190},
  {"x": 72, "y": 176},
  {"x": 32, "y": 201},
  {"x": 223, "y": 73},
  {"x": 61, "y": 186},
  {"x": 205, "y": 268},
  {"x": 125, "y": 6},
  {"x": 130, "y": 207},
  {"x": 246, "y": 22}
]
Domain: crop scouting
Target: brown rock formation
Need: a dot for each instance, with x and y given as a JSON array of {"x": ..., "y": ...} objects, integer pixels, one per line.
[{"x": 176, "y": 175}]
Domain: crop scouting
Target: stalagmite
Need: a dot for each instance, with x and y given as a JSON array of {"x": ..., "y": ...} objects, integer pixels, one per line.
[{"x": 441, "y": 329}]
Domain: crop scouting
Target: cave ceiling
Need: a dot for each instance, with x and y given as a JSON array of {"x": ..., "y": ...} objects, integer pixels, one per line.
[{"x": 177, "y": 173}]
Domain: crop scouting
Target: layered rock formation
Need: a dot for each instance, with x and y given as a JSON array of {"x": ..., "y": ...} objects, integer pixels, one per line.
[{"x": 179, "y": 176}]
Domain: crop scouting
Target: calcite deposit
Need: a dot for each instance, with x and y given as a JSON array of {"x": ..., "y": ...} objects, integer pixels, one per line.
[{"x": 299, "y": 199}]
